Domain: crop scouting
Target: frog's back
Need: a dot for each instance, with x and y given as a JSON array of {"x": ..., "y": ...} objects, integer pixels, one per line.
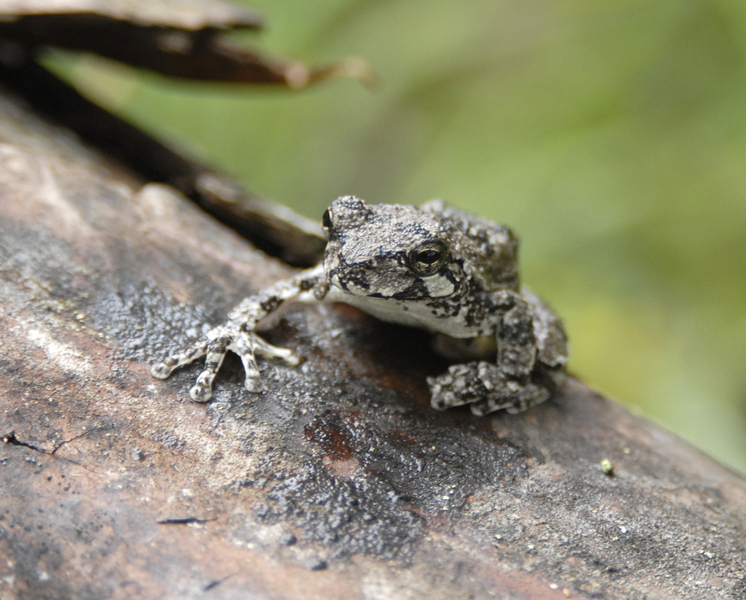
[{"x": 489, "y": 251}]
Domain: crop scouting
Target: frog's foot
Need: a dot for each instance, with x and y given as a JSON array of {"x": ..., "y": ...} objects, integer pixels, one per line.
[
  {"x": 221, "y": 340},
  {"x": 485, "y": 388}
]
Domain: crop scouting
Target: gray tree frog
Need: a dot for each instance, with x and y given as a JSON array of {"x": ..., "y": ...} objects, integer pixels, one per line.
[{"x": 432, "y": 267}]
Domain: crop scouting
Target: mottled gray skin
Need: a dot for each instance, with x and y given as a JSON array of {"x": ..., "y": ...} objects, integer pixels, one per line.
[{"x": 432, "y": 267}]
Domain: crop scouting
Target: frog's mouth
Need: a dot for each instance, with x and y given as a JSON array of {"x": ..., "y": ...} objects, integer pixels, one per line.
[
  {"x": 358, "y": 284},
  {"x": 439, "y": 285}
]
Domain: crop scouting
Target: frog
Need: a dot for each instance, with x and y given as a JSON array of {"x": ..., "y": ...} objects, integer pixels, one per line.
[{"x": 432, "y": 267}]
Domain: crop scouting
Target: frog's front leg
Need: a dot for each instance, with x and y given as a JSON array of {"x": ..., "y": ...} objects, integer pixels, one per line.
[
  {"x": 505, "y": 384},
  {"x": 238, "y": 334}
]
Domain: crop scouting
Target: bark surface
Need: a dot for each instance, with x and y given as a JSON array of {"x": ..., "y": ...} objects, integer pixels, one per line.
[{"x": 338, "y": 480}]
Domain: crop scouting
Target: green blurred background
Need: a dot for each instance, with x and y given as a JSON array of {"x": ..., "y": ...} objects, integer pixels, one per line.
[{"x": 611, "y": 136}]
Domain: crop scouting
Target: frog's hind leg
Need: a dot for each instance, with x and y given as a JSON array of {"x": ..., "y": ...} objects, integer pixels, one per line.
[
  {"x": 483, "y": 386},
  {"x": 502, "y": 393},
  {"x": 460, "y": 385}
]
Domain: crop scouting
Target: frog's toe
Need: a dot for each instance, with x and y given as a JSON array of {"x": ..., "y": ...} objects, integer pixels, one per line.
[
  {"x": 202, "y": 390},
  {"x": 267, "y": 350},
  {"x": 163, "y": 370},
  {"x": 253, "y": 383},
  {"x": 442, "y": 399},
  {"x": 454, "y": 388},
  {"x": 215, "y": 351},
  {"x": 513, "y": 397},
  {"x": 530, "y": 395},
  {"x": 201, "y": 393}
]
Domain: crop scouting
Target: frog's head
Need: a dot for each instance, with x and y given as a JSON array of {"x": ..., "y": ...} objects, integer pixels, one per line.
[{"x": 389, "y": 251}]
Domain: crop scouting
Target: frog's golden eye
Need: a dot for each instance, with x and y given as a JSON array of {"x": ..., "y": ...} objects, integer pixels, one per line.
[
  {"x": 427, "y": 258},
  {"x": 326, "y": 220}
]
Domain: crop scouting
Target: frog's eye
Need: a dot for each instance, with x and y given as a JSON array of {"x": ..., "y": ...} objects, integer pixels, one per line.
[
  {"x": 326, "y": 220},
  {"x": 428, "y": 258}
]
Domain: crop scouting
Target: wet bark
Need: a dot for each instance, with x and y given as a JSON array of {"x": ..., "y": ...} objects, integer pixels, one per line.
[{"x": 338, "y": 480}]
